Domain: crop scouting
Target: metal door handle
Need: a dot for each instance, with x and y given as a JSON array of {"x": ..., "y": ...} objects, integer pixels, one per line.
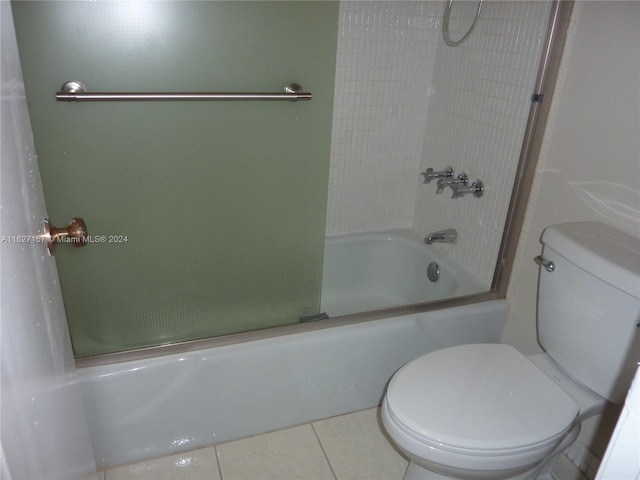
[{"x": 75, "y": 233}]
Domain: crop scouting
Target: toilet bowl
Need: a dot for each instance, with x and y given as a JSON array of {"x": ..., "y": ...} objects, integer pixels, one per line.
[
  {"x": 486, "y": 411},
  {"x": 482, "y": 411}
]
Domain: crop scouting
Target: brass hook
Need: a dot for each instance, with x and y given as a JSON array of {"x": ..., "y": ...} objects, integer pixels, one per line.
[{"x": 75, "y": 233}]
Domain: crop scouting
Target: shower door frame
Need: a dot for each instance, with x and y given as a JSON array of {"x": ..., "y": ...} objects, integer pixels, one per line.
[{"x": 532, "y": 142}]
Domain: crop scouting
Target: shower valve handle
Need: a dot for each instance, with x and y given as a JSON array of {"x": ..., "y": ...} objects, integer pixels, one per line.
[
  {"x": 429, "y": 174},
  {"x": 462, "y": 179},
  {"x": 476, "y": 189}
]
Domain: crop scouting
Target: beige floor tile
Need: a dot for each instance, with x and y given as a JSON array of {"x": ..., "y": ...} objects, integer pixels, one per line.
[
  {"x": 357, "y": 448},
  {"x": 355, "y": 445},
  {"x": 288, "y": 454},
  {"x": 194, "y": 465}
]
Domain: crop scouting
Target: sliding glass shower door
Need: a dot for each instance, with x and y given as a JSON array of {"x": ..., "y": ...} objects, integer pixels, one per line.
[{"x": 205, "y": 217}]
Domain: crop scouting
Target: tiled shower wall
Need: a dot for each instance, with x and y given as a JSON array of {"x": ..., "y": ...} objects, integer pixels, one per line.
[
  {"x": 384, "y": 64},
  {"x": 405, "y": 101}
]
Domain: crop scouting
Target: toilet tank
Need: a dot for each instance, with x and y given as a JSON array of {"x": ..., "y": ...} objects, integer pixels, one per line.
[{"x": 589, "y": 305}]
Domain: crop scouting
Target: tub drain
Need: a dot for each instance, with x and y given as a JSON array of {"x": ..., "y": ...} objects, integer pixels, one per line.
[{"x": 433, "y": 272}]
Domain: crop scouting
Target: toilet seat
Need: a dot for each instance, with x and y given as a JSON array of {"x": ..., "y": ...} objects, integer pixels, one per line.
[{"x": 475, "y": 403}]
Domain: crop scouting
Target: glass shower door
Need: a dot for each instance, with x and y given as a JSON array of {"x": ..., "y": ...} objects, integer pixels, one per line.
[{"x": 205, "y": 218}]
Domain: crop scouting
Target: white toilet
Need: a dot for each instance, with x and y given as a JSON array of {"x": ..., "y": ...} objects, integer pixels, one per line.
[{"x": 485, "y": 411}]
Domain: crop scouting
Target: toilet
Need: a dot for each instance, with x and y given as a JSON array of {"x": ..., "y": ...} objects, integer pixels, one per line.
[{"x": 486, "y": 411}]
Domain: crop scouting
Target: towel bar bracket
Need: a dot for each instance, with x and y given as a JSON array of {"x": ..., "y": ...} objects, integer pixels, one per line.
[{"x": 73, "y": 87}]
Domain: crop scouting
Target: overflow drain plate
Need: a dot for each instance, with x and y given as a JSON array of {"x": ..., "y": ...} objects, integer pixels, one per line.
[{"x": 433, "y": 272}]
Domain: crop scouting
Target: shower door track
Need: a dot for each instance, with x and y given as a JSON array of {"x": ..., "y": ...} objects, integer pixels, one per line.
[{"x": 272, "y": 332}]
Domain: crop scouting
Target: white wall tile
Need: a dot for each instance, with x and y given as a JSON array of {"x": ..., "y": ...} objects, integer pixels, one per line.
[{"x": 385, "y": 56}]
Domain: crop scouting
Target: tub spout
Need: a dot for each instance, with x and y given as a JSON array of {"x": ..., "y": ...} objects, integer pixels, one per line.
[{"x": 450, "y": 235}]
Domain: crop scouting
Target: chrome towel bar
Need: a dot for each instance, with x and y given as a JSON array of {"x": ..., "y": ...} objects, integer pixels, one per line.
[{"x": 77, "y": 92}]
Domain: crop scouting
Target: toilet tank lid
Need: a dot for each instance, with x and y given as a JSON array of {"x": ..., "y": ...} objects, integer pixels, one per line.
[{"x": 604, "y": 251}]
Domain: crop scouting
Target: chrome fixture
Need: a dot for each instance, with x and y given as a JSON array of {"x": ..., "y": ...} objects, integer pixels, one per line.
[
  {"x": 445, "y": 25},
  {"x": 77, "y": 92},
  {"x": 429, "y": 174},
  {"x": 476, "y": 189},
  {"x": 450, "y": 235},
  {"x": 433, "y": 272},
  {"x": 543, "y": 262},
  {"x": 459, "y": 185},
  {"x": 461, "y": 179},
  {"x": 314, "y": 318}
]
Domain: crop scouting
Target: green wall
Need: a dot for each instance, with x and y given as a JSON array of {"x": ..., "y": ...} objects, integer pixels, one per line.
[{"x": 222, "y": 203}]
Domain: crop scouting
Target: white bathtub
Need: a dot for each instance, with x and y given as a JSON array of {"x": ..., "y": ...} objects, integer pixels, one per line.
[
  {"x": 369, "y": 271},
  {"x": 157, "y": 406}
]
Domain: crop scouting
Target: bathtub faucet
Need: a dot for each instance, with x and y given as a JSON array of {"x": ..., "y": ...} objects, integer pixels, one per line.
[{"x": 443, "y": 236}]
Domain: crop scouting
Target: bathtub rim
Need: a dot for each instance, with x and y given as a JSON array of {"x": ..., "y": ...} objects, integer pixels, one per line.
[{"x": 242, "y": 337}]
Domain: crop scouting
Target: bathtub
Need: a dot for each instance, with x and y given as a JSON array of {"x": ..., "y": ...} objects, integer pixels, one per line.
[
  {"x": 145, "y": 408},
  {"x": 369, "y": 271}
]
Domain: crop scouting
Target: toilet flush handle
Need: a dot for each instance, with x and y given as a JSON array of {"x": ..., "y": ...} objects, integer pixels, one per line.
[{"x": 547, "y": 264}]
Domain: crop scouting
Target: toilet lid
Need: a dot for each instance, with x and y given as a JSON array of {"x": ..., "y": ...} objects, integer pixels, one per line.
[{"x": 481, "y": 396}]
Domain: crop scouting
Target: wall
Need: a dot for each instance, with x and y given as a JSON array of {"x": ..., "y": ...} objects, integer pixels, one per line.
[
  {"x": 43, "y": 431},
  {"x": 589, "y": 166}
]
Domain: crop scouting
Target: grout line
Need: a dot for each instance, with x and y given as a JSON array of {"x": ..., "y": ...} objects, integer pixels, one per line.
[
  {"x": 323, "y": 451},
  {"x": 218, "y": 461},
  {"x": 406, "y": 469}
]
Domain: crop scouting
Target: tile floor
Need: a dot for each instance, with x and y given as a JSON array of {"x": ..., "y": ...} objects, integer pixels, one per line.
[{"x": 348, "y": 447}]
